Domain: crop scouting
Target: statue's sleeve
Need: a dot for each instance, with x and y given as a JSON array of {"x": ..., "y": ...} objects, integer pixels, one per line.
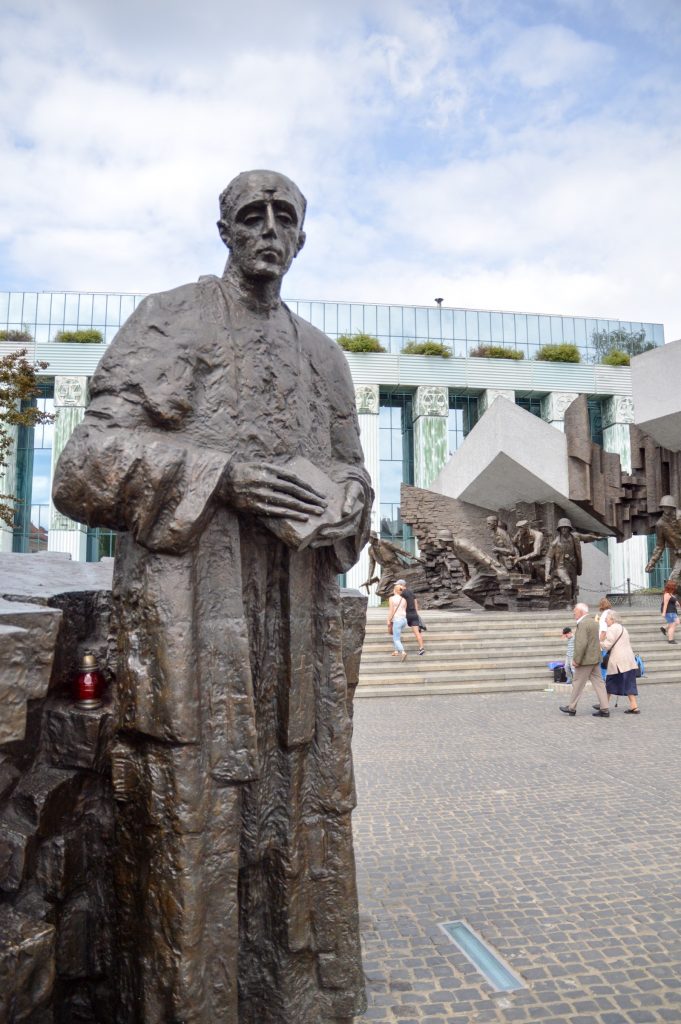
[
  {"x": 129, "y": 466},
  {"x": 347, "y": 455}
]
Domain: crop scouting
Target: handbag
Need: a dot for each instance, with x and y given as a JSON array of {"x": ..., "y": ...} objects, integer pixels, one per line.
[
  {"x": 422, "y": 626},
  {"x": 606, "y": 657}
]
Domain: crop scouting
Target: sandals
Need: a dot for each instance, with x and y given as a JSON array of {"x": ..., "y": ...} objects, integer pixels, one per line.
[{"x": 632, "y": 711}]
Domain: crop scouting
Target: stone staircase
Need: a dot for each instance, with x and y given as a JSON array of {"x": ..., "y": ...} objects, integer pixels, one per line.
[{"x": 478, "y": 652}]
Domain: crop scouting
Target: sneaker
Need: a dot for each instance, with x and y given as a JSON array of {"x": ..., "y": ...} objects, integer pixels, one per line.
[
  {"x": 671, "y": 641},
  {"x": 663, "y": 629},
  {"x": 422, "y": 652}
]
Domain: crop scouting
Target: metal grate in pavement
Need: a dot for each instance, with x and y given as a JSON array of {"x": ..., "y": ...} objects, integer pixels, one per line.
[{"x": 496, "y": 971}]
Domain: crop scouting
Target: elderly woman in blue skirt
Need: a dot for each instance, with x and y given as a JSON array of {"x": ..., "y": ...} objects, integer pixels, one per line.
[{"x": 621, "y": 674}]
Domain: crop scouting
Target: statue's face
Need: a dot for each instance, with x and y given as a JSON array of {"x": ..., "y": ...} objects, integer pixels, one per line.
[
  {"x": 492, "y": 522},
  {"x": 564, "y": 532},
  {"x": 669, "y": 514},
  {"x": 264, "y": 232}
]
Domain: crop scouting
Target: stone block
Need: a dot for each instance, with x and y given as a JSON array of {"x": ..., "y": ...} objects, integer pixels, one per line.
[
  {"x": 27, "y": 967},
  {"x": 78, "y": 737},
  {"x": 61, "y": 865},
  {"x": 654, "y": 382},
  {"x": 9, "y": 774},
  {"x": 80, "y": 951},
  {"x": 27, "y": 640},
  {"x": 17, "y": 842},
  {"x": 46, "y": 798}
]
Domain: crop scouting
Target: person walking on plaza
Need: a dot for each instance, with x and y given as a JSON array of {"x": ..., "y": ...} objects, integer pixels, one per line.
[
  {"x": 670, "y": 611},
  {"x": 413, "y": 617},
  {"x": 622, "y": 667},
  {"x": 586, "y": 660},
  {"x": 397, "y": 620},
  {"x": 569, "y": 636}
]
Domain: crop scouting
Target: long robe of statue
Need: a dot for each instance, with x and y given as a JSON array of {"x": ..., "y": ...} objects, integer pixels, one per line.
[{"x": 233, "y": 766}]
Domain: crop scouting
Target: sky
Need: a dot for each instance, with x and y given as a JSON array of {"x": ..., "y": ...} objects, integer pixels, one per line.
[{"x": 502, "y": 154}]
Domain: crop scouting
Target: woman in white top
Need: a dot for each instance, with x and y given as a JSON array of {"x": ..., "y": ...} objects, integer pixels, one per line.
[{"x": 397, "y": 620}]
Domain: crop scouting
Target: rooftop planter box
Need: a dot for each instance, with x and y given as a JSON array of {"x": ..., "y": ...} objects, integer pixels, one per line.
[
  {"x": 359, "y": 343},
  {"x": 495, "y": 352},
  {"x": 86, "y": 336},
  {"x": 558, "y": 354},
  {"x": 426, "y": 348}
]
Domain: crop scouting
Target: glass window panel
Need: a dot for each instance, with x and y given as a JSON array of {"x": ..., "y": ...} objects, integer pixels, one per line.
[
  {"x": 42, "y": 334},
  {"x": 370, "y": 319},
  {"x": 459, "y": 323},
  {"x": 568, "y": 330},
  {"x": 42, "y": 468},
  {"x": 331, "y": 318},
  {"x": 421, "y": 324},
  {"x": 545, "y": 330},
  {"x": 396, "y": 322},
  {"x": 635, "y": 326},
  {"x": 497, "y": 328},
  {"x": 383, "y": 415},
  {"x": 557, "y": 330},
  {"x": 109, "y": 334},
  {"x": 435, "y": 324},
  {"x": 385, "y": 445},
  {"x": 447, "y": 324},
  {"x": 484, "y": 326},
  {"x": 461, "y": 347},
  {"x": 16, "y": 309},
  {"x": 383, "y": 320},
  {"x": 658, "y": 334},
  {"x": 4, "y": 307},
  {"x": 57, "y": 311},
  {"x": 304, "y": 310},
  {"x": 30, "y": 307},
  {"x": 357, "y": 318},
  {"x": 533, "y": 330},
  {"x": 509, "y": 327},
  {"x": 580, "y": 331},
  {"x": 343, "y": 318},
  {"x": 472, "y": 325},
  {"x": 127, "y": 307},
  {"x": 113, "y": 310},
  {"x": 85, "y": 311},
  {"x": 71, "y": 308},
  {"x": 520, "y": 328},
  {"x": 99, "y": 310},
  {"x": 624, "y": 325},
  {"x": 391, "y": 479}
]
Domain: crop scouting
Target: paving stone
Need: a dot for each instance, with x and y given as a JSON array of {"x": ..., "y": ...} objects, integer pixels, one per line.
[{"x": 496, "y": 809}]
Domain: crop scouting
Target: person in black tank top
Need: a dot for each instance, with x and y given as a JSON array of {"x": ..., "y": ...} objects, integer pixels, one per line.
[{"x": 413, "y": 617}]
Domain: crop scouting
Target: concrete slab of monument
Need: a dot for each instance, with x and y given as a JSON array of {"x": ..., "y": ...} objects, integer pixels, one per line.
[
  {"x": 34, "y": 588},
  {"x": 511, "y": 456},
  {"x": 655, "y": 377}
]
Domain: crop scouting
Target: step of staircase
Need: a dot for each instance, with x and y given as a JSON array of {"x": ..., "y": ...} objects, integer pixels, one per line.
[{"x": 478, "y": 652}]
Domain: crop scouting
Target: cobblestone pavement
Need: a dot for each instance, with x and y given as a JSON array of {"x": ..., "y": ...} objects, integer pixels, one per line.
[{"x": 558, "y": 839}]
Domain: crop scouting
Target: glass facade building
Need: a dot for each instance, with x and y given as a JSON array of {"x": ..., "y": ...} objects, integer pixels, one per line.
[{"x": 37, "y": 317}]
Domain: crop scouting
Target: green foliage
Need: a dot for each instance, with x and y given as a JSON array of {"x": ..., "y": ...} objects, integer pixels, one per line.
[
  {"x": 426, "y": 348},
  {"x": 559, "y": 354},
  {"x": 24, "y": 336},
  {"x": 87, "y": 336},
  {"x": 360, "y": 343},
  {"x": 18, "y": 383},
  {"x": 496, "y": 352},
  {"x": 630, "y": 343},
  {"x": 616, "y": 358}
]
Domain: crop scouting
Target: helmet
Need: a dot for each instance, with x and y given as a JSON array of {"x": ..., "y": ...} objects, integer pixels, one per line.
[
  {"x": 445, "y": 535},
  {"x": 667, "y": 502},
  {"x": 522, "y": 523},
  {"x": 564, "y": 522}
]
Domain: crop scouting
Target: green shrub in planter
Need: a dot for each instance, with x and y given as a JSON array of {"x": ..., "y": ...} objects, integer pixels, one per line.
[
  {"x": 360, "y": 343},
  {"x": 426, "y": 348},
  {"x": 616, "y": 358},
  {"x": 87, "y": 336},
  {"x": 496, "y": 352},
  {"x": 559, "y": 354},
  {"x": 24, "y": 337}
]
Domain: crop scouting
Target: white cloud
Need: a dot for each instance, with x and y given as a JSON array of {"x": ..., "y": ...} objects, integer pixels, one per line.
[{"x": 497, "y": 157}]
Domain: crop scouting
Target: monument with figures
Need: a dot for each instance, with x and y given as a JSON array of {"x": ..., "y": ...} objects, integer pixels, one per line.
[{"x": 222, "y": 440}]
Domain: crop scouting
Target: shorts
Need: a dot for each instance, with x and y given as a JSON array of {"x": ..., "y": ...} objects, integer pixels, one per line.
[{"x": 671, "y": 617}]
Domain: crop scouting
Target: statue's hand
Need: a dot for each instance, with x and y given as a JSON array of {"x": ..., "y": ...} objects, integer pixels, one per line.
[
  {"x": 351, "y": 514},
  {"x": 268, "y": 490},
  {"x": 649, "y": 567}
]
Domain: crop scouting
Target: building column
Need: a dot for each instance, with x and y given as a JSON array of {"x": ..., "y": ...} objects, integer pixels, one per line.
[
  {"x": 431, "y": 449},
  {"x": 554, "y": 406},
  {"x": 8, "y": 484},
  {"x": 70, "y": 400},
  {"x": 628, "y": 559},
  {"x": 488, "y": 396},
  {"x": 367, "y": 399}
]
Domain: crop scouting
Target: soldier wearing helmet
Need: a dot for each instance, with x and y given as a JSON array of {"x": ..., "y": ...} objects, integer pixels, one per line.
[{"x": 667, "y": 535}]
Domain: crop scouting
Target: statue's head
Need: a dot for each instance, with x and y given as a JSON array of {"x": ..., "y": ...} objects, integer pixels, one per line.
[
  {"x": 668, "y": 507},
  {"x": 564, "y": 527},
  {"x": 443, "y": 538},
  {"x": 261, "y": 223},
  {"x": 522, "y": 525},
  {"x": 492, "y": 522}
]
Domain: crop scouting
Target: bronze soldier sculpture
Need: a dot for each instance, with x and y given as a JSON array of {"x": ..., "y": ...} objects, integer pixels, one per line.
[
  {"x": 222, "y": 440},
  {"x": 503, "y": 547},
  {"x": 393, "y": 561},
  {"x": 529, "y": 542},
  {"x": 563, "y": 563},
  {"x": 667, "y": 534}
]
